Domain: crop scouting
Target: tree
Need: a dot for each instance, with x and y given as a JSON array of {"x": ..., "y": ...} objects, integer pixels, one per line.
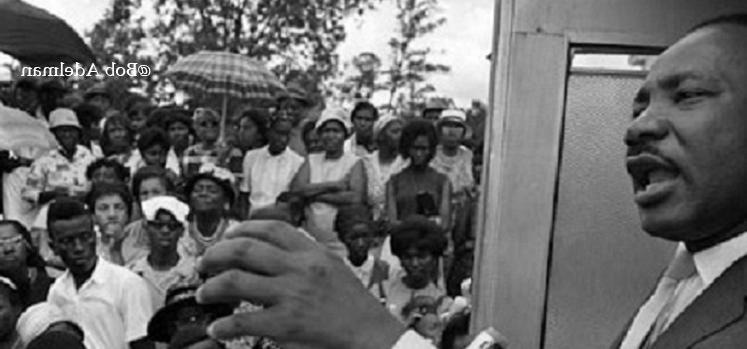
[
  {"x": 299, "y": 35},
  {"x": 411, "y": 65}
]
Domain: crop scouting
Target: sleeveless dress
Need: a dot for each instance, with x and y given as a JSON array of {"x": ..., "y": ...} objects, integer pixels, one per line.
[{"x": 320, "y": 217}]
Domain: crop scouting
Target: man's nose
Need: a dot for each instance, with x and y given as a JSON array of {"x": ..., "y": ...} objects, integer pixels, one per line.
[{"x": 648, "y": 126}]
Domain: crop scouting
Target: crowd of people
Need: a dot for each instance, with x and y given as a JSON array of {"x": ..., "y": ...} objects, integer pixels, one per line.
[{"x": 103, "y": 225}]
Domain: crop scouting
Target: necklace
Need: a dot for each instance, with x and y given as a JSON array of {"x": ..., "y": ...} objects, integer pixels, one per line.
[{"x": 203, "y": 240}]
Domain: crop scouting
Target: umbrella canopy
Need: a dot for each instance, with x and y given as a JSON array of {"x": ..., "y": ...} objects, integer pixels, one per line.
[
  {"x": 35, "y": 37},
  {"x": 24, "y": 135},
  {"x": 225, "y": 74}
]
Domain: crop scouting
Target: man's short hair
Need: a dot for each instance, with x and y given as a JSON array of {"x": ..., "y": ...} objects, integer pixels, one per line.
[
  {"x": 64, "y": 209},
  {"x": 88, "y": 114},
  {"x": 151, "y": 137},
  {"x": 739, "y": 19},
  {"x": 120, "y": 171}
]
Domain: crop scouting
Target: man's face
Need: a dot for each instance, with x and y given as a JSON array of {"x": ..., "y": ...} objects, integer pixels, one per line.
[
  {"x": 155, "y": 155},
  {"x": 279, "y": 136},
  {"x": 688, "y": 138},
  {"x": 363, "y": 122},
  {"x": 207, "y": 129},
  {"x": 67, "y": 136},
  {"x": 178, "y": 135},
  {"x": 164, "y": 231},
  {"x": 151, "y": 188},
  {"x": 75, "y": 242}
]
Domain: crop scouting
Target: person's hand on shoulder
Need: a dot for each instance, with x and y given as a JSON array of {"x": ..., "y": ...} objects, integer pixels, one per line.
[{"x": 310, "y": 297}]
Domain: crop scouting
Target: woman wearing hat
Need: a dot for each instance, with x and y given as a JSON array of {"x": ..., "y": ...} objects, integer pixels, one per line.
[
  {"x": 331, "y": 179},
  {"x": 384, "y": 162},
  {"x": 211, "y": 195}
]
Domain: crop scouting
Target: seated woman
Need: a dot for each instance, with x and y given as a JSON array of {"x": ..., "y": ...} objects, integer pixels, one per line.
[
  {"x": 165, "y": 221},
  {"x": 20, "y": 260},
  {"x": 111, "y": 206},
  {"x": 330, "y": 180},
  {"x": 210, "y": 195},
  {"x": 418, "y": 243}
]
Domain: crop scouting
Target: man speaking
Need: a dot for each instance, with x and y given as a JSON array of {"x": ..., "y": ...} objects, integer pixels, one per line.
[{"x": 687, "y": 157}]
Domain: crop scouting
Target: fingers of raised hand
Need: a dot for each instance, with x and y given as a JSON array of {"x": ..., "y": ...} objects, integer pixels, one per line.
[
  {"x": 277, "y": 233},
  {"x": 244, "y": 253},
  {"x": 236, "y": 285}
]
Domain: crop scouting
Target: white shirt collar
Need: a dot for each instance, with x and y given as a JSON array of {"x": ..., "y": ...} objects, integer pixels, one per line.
[{"x": 713, "y": 261}]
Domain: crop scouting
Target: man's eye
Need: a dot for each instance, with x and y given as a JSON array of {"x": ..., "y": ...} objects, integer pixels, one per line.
[{"x": 690, "y": 95}]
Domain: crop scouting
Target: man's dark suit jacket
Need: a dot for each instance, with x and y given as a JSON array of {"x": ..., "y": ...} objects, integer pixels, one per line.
[{"x": 715, "y": 320}]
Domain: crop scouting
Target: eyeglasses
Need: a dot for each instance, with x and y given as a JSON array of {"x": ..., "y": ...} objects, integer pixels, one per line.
[
  {"x": 12, "y": 242},
  {"x": 160, "y": 225}
]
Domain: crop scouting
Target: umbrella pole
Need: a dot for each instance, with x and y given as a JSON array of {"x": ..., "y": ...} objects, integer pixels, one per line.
[{"x": 223, "y": 119}]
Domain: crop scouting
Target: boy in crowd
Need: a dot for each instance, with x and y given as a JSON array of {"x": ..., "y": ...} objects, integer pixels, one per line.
[{"x": 109, "y": 302}]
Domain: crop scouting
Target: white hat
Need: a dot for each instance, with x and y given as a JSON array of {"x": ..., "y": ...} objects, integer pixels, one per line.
[
  {"x": 166, "y": 203},
  {"x": 334, "y": 113},
  {"x": 453, "y": 115},
  {"x": 63, "y": 117},
  {"x": 383, "y": 122},
  {"x": 37, "y": 319}
]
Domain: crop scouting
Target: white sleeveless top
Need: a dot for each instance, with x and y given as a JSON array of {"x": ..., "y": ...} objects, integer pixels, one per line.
[{"x": 320, "y": 217}]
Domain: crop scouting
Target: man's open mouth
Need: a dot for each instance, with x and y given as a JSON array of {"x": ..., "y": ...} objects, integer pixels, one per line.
[{"x": 653, "y": 177}]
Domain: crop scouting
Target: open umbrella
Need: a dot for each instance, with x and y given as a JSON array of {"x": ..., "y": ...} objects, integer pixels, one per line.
[
  {"x": 35, "y": 37},
  {"x": 225, "y": 75}
]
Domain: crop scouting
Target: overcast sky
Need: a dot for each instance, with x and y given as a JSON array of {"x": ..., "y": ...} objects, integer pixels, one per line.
[{"x": 462, "y": 43}]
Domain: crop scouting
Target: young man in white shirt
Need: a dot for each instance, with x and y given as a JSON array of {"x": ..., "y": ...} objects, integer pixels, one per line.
[
  {"x": 109, "y": 302},
  {"x": 268, "y": 171}
]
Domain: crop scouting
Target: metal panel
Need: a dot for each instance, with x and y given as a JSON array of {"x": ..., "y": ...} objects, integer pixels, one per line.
[{"x": 603, "y": 266}]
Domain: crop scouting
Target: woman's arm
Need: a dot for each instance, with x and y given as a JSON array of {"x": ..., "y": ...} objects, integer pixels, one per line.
[
  {"x": 444, "y": 211},
  {"x": 353, "y": 194},
  {"x": 391, "y": 201}
]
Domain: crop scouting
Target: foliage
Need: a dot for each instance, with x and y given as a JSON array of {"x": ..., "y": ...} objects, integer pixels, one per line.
[
  {"x": 407, "y": 77},
  {"x": 292, "y": 36}
]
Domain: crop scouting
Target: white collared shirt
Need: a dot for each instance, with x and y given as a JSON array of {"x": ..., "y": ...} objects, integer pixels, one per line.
[
  {"x": 709, "y": 265},
  {"x": 266, "y": 176},
  {"x": 112, "y": 307}
]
